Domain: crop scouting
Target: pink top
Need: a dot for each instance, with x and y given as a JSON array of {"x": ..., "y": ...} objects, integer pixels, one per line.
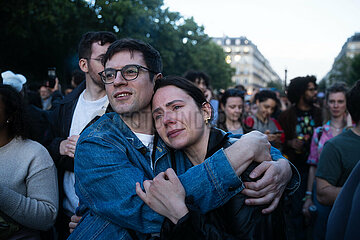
[{"x": 317, "y": 145}]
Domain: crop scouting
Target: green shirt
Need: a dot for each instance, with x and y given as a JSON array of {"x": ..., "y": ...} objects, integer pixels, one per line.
[{"x": 338, "y": 158}]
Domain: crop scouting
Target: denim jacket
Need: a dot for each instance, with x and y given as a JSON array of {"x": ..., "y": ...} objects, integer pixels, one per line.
[{"x": 110, "y": 159}]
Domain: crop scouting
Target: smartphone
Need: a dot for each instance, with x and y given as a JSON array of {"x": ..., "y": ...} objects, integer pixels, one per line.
[
  {"x": 51, "y": 76},
  {"x": 278, "y": 132}
]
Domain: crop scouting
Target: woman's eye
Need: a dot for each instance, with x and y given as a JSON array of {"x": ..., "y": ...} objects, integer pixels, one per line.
[
  {"x": 157, "y": 117},
  {"x": 176, "y": 107}
]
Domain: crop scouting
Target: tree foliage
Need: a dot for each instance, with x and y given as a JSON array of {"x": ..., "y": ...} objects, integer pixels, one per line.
[
  {"x": 40, "y": 34},
  {"x": 345, "y": 69}
]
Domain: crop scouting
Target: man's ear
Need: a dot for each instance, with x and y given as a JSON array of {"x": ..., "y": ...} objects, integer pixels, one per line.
[
  {"x": 207, "y": 110},
  {"x": 83, "y": 64},
  {"x": 157, "y": 76}
]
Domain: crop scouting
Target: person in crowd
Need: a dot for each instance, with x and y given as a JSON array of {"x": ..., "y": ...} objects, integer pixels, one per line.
[
  {"x": 298, "y": 123},
  {"x": 77, "y": 77},
  {"x": 202, "y": 81},
  {"x": 335, "y": 123},
  {"x": 45, "y": 95},
  {"x": 267, "y": 103},
  {"x": 231, "y": 116},
  {"x": 71, "y": 116},
  {"x": 340, "y": 154},
  {"x": 344, "y": 218},
  {"x": 28, "y": 184},
  {"x": 120, "y": 149},
  {"x": 181, "y": 116}
]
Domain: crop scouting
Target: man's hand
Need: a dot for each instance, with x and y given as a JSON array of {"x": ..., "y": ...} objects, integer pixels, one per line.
[
  {"x": 268, "y": 189},
  {"x": 165, "y": 195},
  {"x": 68, "y": 146},
  {"x": 252, "y": 146},
  {"x": 74, "y": 222},
  {"x": 296, "y": 144}
]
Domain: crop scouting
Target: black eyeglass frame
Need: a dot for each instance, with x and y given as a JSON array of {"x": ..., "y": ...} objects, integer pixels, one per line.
[{"x": 122, "y": 74}]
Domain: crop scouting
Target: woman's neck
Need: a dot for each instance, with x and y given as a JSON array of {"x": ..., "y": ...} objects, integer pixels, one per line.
[
  {"x": 232, "y": 125},
  {"x": 197, "y": 151},
  {"x": 4, "y": 138},
  {"x": 261, "y": 118},
  {"x": 337, "y": 125}
]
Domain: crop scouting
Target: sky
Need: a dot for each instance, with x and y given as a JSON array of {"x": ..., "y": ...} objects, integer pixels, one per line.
[{"x": 303, "y": 37}]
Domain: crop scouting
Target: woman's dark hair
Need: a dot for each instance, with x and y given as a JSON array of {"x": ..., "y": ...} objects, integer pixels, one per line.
[
  {"x": 298, "y": 87},
  {"x": 352, "y": 102},
  {"x": 265, "y": 95},
  {"x": 335, "y": 88},
  {"x": 14, "y": 111},
  {"x": 182, "y": 83},
  {"x": 192, "y": 75},
  {"x": 232, "y": 92}
]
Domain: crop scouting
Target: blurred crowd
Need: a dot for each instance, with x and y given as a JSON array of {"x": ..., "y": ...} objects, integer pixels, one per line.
[{"x": 318, "y": 132}]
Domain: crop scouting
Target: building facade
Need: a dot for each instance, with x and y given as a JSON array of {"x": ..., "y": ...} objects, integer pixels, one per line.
[
  {"x": 252, "y": 69},
  {"x": 348, "y": 51}
]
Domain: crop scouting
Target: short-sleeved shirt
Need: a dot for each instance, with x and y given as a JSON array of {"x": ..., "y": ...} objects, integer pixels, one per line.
[
  {"x": 338, "y": 158},
  {"x": 317, "y": 143}
]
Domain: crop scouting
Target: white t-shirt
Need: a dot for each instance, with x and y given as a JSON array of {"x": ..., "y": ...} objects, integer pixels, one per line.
[
  {"x": 85, "y": 111},
  {"x": 148, "y": 141}
]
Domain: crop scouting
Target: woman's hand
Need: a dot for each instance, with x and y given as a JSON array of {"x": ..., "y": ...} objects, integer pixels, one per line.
[
  {"x": 165, "y": 195},
  {"x": 74, "y": 222},
  {"x": 305, "y": 210}
]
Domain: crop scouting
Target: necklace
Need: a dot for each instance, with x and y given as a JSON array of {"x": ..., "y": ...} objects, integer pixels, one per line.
[{"x": 336, "y": 129}]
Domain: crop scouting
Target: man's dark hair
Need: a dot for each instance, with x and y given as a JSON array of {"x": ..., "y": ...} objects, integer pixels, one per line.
[
  {"x": 151, "y": 56},
  {"x": 335, "y": 88},
  {"x": 14, "y": 111},
  {"x": 192, "y": 75},
  {"x": 352, "y": 102},
  {"x": 298, "y": 87},
  {"x": 92, "y": 37}
]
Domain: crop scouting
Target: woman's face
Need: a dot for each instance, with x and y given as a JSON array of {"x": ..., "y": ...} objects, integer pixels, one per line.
[
  {"x": 337, "y": 104},
  {"x": 178, "y": 120},
  {"x": 233, "y": 108},
  {"x": 266, "y": 108}
]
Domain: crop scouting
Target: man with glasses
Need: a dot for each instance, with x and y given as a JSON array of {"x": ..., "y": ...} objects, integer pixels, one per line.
[
  {"x": 120, "y": 149},
  {"x": 298, "y": 123},
  {"x": 74, "y": 112}
]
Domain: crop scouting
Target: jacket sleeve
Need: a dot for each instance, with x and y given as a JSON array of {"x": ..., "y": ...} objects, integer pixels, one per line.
[
  {"x": 38, "y": 209},
  {"x": 105, "y": 182}
]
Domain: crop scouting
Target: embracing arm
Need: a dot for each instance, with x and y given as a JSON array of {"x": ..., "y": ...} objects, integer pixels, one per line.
[{"x": 105, "y": 183}]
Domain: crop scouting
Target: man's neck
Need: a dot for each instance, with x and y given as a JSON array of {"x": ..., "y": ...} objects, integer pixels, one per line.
[
  {"x": 303, "y": 106},
  {"x": 139, "y": 122},
  {"x": 4, "y": 137},
  {"x": 93, "y": 92}
]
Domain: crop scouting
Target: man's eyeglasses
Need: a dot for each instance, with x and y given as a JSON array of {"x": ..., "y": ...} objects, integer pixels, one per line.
[{"x": 128, "y": 72}]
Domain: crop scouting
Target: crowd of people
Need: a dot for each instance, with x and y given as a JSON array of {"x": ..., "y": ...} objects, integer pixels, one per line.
[{"x": 127, "y": 153}]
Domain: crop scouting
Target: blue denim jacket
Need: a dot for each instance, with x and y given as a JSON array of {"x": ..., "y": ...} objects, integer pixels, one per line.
[{"x": 110, "y": 159}]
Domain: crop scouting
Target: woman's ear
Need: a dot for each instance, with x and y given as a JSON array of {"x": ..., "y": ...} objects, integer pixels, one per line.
[{"x": 206, "y": 110}]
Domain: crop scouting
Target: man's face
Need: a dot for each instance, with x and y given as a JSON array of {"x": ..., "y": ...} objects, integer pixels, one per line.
[
  {"x": 310, "y": 93},
  {"x": 129, "y": 96},
  {"x": 94, "y": 62},
  {"x": 44, "y": 92}
]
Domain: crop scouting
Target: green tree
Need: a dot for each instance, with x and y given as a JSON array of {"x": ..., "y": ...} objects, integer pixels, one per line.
[{"x": 41, "y": 34}]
